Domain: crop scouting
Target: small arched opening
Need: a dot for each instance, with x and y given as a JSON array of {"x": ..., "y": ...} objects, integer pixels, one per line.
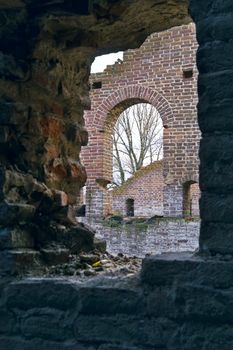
[
  {"x": 191, "y": 195},
  {"x": 129, "y": 207}
]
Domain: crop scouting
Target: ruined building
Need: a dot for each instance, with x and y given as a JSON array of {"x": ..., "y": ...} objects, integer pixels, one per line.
[
  {"x": 161, "y": 72},
  {"x": 180, "y": 301}
]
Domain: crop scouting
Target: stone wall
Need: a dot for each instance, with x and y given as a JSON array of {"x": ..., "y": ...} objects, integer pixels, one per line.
[
  {"x": 46, "y": 50},
  {"x": 179, "y": 301},
  {"x": 146, "y": 190},
  {"x": 161, "y": 72},
  {"x": 164, "y": 235},
  {"x": 169, "y": 306}
]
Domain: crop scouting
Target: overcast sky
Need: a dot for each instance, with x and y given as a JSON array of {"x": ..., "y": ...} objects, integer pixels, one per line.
[{"x": 101, "y": 62}]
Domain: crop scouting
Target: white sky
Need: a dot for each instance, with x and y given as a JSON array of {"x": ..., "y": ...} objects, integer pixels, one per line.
[{"x": 101, "y": 62}]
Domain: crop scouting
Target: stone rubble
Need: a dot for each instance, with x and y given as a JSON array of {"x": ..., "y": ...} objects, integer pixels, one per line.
[{"x": 93, "y": 264}]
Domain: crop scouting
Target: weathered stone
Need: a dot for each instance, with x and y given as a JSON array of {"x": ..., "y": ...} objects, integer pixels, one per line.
[
  {"x": 4, "y": 133},
  {"x": 173, "y": 268},
  {"x": 164, "y": 235},
  {"x": 215, "y": 117},
  {"x": 55, "y": 255},
  {"x": 100, "y": 301},
  {"x": 126, "y": 330},
  {"x": 15, "y": 213},
  {"x": 77, "y": 239},
  {"x": 60, "y": 199},
  {"x": 100, "y": 245},
  {"x": 13, "y": 238},
  {"x": 19, "y": 343},
  {"x": 116, "y": 347},
  {"x": 17, "y": 261},
  {"x": 47, "y": 324},
  {"x": 217, "y": 207},
  {"x": 216, "y": 237},
  {"x": 41, "y": 293},
  {"x": 8, "y": 323}
]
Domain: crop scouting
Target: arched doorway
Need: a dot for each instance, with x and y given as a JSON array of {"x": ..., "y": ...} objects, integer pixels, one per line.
[{"x": 191, "y": 195}]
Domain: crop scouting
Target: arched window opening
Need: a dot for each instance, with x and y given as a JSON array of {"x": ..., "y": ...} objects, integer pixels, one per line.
[
  {"x": 191, "y": 194},
  {"x": 137, "y": 140},
  {"x": 129, "y": 207},
  {"x": 137, "y": 168}
]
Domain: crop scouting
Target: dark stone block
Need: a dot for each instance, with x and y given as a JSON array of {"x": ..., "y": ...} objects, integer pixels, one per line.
[
  {"x": 17, "y": 343},
  {"x": 204, "y": 304},
  {"x": 8, "y": 323},
  {"x": 55, "y": 256},
  {"x": 216, "y": 177},
  {"x": 215, "y": 117},
  {"x": 215, "y": 87},
  {"x": 119, "y": 330},
  {"x": 214, "y": 28},
  {"x": 11, "y": 213},
  {"x": 41, "y": 293},
  {"x": 215, "y": 57},
  {"x": 216, "y": 207},
  {"x": 13, "y": 238},
  {"x": 77, "y": 239},
  {"x": 7, "y": 263},
  {"x": 199, "y": 9},
  {"x": 216, "y": 147},
  {"x": 6, "y": 111},
  {"x": 2, "y": 182},
  {"x": 160, "y": 302},
  {"x": 178, "y": 268},
  {"x": 198, "y": 335},
  {"x": 190, "y": 302},
  {"x": 4, "y": 134},
  {"x": 110, "y": 301},
  {"x": 121, "y": 347},
  {"x": 13, "y": 113},
  {"x": 216, "y": 237},
  {"x": 17, "y": 261},
  {"x": 46, "y": 324}
]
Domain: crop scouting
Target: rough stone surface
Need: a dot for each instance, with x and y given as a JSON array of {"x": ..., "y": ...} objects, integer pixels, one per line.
[
  {"x": 191, "y": 315},
  {"x": 179, "y": 302},
  {"x": 139, "y": 239},
  {"x": 46, "y": 52}
]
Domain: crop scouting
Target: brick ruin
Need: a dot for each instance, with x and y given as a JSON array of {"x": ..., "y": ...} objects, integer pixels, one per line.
[
  {"x": 179, "y": 301},
  {"x": 142, "y": 194},
  {"x": 161, "y": 72}
]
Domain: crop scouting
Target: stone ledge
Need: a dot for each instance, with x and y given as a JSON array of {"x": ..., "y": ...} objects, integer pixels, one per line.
[{"x": 172, "y": 268}]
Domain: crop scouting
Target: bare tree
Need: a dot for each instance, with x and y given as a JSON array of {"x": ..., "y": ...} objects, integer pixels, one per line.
[{"x": 137, "y": 140}]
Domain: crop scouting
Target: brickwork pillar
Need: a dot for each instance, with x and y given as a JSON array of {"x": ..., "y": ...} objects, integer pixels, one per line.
[{"x": 214, "y": 58}]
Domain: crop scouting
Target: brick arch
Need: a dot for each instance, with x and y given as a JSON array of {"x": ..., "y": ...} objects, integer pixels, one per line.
[
  {"x": 133, "y": 94},
  {"x": 193, "y": 177}
]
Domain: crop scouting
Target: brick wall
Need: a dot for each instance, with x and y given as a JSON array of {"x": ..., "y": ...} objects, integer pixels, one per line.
[
  {"x": 145, "y": 188},
  {"x": 156, "y": 73},
  {"x": 153, "y": 237}
]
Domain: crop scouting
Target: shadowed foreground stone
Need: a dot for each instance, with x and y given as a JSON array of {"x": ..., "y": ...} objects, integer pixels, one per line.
[
  {"x": 183, "y": 267},
  {"x": 46, "y": 53},
  {"x": 157, "y": 311}
]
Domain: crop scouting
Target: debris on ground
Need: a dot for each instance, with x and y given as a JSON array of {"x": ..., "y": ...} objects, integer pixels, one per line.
[{"x": 92, "y": 264}]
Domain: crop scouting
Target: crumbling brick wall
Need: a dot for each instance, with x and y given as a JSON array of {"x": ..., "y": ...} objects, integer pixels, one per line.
[
  {"x": 145, "y": 188},
  {"x": 161, "y": 72}
]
